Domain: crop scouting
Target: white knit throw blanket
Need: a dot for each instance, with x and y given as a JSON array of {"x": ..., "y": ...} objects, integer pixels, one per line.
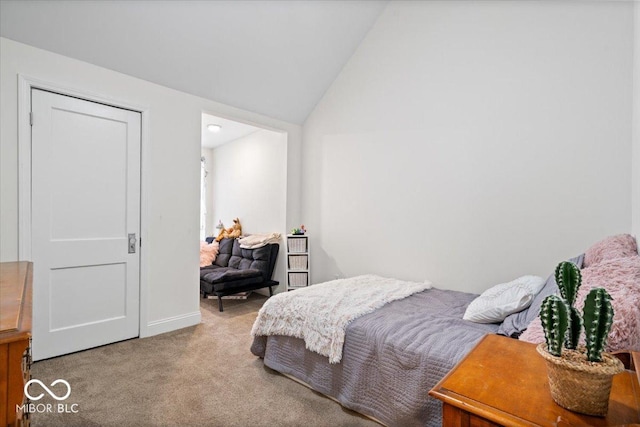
[{"x": 319, "y": 314}]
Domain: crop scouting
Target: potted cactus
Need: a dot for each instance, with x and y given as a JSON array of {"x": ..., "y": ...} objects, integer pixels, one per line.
[{"x": 579, "y": 376}]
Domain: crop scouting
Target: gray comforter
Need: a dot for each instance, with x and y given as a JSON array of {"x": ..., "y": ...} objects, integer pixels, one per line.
[{"x": 391, "y": 357}]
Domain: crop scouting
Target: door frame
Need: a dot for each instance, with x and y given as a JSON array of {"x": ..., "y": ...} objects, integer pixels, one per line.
[{"x": 25, "y": 85}]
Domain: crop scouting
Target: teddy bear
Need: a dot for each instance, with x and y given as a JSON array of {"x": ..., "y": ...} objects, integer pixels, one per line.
[{"x": 232, "y": 232}]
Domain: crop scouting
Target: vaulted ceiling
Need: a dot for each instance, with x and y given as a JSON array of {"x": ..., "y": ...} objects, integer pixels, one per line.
[{"x": 275, "y": 58}]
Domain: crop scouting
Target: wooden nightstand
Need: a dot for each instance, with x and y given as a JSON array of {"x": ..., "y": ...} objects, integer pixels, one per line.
[
  {"x": 503, "y": 381},
  {"x": 15, "y": 332}
]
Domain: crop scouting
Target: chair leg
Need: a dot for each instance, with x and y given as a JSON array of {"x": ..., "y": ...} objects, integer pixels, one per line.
[
  {"x": 270, "y": 291},
  {"x": 220, "y": 303}
]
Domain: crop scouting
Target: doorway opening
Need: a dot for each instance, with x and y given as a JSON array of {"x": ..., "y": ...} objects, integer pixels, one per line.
[{"x": 243, "y": 171}]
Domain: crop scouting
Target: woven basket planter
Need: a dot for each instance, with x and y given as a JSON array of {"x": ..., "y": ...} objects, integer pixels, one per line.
[{"x": 579, "y": 385}]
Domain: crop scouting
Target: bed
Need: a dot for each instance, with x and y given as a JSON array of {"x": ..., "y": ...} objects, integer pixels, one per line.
[
  {"x": 391, "y": 358},
  {"x": 395, "y": 354}
]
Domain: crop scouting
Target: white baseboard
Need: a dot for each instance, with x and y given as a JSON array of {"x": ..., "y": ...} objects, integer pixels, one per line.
[{"x": 171, "y": 324}]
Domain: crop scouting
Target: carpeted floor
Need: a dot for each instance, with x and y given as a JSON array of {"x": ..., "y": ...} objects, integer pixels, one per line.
[{"x": 204, "y": 375}]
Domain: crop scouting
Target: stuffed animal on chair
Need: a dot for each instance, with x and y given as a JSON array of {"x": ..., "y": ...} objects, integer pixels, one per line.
[
  {"x": 236, "y": 230},
  {"x": 232, "y": 232}
]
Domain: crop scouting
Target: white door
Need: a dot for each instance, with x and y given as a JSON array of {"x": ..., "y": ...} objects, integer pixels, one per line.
[{"x": 85, "y": 198}]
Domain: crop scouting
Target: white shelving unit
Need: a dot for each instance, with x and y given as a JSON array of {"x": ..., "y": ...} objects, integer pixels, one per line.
[{"x": 298, "y": 265}]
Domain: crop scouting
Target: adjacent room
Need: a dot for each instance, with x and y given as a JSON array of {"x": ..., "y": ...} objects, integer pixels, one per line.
[
  {"x": 243, "y": 193},
  {"x": 321, "y": 213}
]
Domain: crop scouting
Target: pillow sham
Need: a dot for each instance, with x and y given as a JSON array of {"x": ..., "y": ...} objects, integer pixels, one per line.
[
  {"x": 620, "y": 246},
  {"x": 208, "y": 253},
  {"x": 621, "y": 278},
  {"x": 515, "y": 323},
  {"x": 497, "y": 302}
]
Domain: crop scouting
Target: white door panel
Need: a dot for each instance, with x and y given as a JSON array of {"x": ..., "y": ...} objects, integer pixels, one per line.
[
  {"x": 107, "y": 285},
  {"x": 69, "y": 253},
  {"x": 85, "y": 202}
]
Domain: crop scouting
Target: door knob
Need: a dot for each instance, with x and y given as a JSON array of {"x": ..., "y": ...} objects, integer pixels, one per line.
[{"x": 132, "y": 243}]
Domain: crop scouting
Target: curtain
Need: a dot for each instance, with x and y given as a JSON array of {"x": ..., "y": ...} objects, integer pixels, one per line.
[{"x": 203, "y": 198}]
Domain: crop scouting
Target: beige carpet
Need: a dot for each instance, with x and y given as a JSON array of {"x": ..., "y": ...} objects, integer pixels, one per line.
[{"x": 204, "y": 375}]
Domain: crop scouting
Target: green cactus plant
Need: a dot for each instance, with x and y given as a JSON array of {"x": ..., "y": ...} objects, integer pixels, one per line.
[
  {"x": 598, "y": 318},
  {"x": 555, "y": 321},
  {"x": 572, "y": 336},
  {"x": 562, "y": 322},
  {"x": 569, "y": 279},
  {"x": 582, "y": 367}
]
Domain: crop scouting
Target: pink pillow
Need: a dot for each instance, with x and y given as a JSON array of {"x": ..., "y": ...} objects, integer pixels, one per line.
[
  {"x": 621, "y": 278},
  {"x": 620, "y": 246},
  {"x": 208, "y": 253}
]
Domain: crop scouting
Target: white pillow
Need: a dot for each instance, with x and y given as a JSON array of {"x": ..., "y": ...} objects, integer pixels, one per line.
[{"x": 499, "y": 301}]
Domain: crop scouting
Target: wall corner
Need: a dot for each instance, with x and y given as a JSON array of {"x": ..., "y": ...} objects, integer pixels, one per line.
[{"x": 635, "y": 125}]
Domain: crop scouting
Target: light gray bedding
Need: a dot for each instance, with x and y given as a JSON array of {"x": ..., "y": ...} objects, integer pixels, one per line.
[{"x": 392, "y": 357}]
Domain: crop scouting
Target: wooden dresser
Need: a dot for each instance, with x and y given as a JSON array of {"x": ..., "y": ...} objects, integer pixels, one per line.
[
  {"x": 503, "y": 382},
  {"x": 15, "y": 335}
]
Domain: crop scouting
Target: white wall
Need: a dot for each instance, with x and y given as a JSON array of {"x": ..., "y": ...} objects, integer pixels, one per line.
[
  {"x": 473, "y": 142},
  {"x": 170, "y": 173},
  {"x": 250, "y": 182},
  {"x": 636, "y": 122}
]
